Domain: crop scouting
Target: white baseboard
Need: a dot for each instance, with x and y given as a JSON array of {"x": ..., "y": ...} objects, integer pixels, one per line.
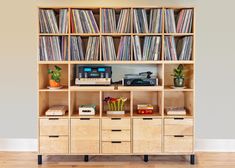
[{"x": 202, "y": 145}]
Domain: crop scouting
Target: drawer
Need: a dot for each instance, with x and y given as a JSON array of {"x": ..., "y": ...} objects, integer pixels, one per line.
[
  {"x": 85, "y": 136},
  {"x": 54, "y": 144},
  {"x": 54, "y": 126},
  {"x": 147, "y": 135},
  {"x": 178, "y": 144},
  {"x": 116, "y": 135},
  {"x": 116, "y": 147},
  {"x": 116, "y": 123},
  {"x": 178, "y": 126}
]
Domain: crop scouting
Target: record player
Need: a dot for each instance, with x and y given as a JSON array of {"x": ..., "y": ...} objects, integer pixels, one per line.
[
  {"x": 141, "y": 79},
  {"x": 93, "y": 75}
]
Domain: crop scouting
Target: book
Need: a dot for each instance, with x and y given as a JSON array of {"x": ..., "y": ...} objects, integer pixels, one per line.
[
  {"x": 155, "y": 21},
  {"x": 124, "y": 49},
  {"x": 170, "y": 48},
  {"x": 175, "y": 111},
  {"x": 83, "y": 21},
  {"x": 49, "y": 23},
  {"x": 53, "y": 48},
  {"x": 124, "y": 21},
  {"x": 170, "y": 26},
  {"x": 140, "y": 21},
  {"x": 108, "y": 21},
  {"x": 185, "y": 20},
  {"x": 151, "y": 48},
  {"x": 108, "y": 49},
  {"x": 57, "y": 110}
]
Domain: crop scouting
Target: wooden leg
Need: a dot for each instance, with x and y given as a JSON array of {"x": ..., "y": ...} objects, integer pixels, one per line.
[
  {"x": 146, "y": 158},
  {"x": 39, "y": 159},
  {"x": 86, "y": 158},
  {"x": 192, "y": 159}
]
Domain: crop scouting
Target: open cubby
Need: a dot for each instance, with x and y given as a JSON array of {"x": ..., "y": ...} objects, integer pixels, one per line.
[
  {"x": 169, "y": 79},
  {"x": 96, "y": 13},
  {"x": 84, "y": 98},
  {"x": 179, "y": 99},
  {"x": 147, "y": 97},
  {"x": 49, "y": 99},
  {"x": 44, "y": 78},
  {"x": 117, "y": 94}
]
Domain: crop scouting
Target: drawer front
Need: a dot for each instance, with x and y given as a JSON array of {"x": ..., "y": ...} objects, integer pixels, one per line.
[
  {"x": 147, "y": 135},
  {"x": 115, "y": 123},
  {"x": 116, "y": 135},
  {"x": 116, "y": 147},
  {"x": 54, "y": 126},
  {"x": 178, "y": 126},
  {"x": 178, "y": 144},
  {"x": 85, "y": 136},
  {"x": 54, "y": 144}
]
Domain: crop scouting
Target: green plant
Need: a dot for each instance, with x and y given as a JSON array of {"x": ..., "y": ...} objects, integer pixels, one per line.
[
  {"x": 56, "y": 74},
  {"x": 179, "y": 72}
]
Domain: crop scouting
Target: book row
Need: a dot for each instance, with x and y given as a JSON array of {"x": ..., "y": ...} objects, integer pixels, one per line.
[
  {"x": 55, "y": 48},
  {"x": 116, "y": 20}
]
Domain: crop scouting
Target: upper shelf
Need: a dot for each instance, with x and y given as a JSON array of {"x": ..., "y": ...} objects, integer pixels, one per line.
[{"x": 115, "y": 62}]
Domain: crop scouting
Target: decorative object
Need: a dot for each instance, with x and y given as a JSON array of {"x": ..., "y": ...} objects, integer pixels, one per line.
[
  {"x": 144, "y": 109},
  {"x": 87, "y": 109},
  {"x": 55, "y": 77},
  {"x": 115, "y": 105},
  {"x": 179, "y": 76},
  {"x": 57, "y": 110}
]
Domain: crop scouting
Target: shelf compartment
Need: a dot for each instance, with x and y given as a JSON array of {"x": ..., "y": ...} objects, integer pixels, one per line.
[
  {"x": 44, "y": 78},
  {"x": 114, "y": 94},
  {"x": 169, "y": 79},
  {"x": 49, "y": 99},
  {"x": 78, "y": 98},
  {"x": 147, "y": 97},
  {"x": 179, "y": 99}
]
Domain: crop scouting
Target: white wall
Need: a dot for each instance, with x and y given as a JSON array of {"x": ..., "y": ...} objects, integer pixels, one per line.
[{"x": 214, "y": 68}]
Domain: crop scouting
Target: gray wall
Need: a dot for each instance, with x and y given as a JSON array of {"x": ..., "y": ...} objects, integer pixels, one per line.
[{"x": 214, "y": 68}]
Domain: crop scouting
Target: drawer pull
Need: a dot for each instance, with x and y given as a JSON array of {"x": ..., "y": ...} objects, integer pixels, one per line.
[
  {"x": 53, "y": 118},
  {"x": 178, "y": 118},
  {"x": 147, "y": 118},
  {"x": 115, "y": 118},
  {"x": 116, "y": 142},
  {"x": 116, "y": 130},
  {"x": 84, "y": 118},
  {"x": 52, "y": 136},
  {"x": 179, "y": 136}
]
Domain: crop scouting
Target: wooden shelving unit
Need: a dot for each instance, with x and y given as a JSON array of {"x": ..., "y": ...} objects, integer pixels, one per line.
[{"x": 98, "y": 135}]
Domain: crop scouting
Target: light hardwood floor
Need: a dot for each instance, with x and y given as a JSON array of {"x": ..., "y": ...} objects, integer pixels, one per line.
[{"x": 29, "y": 160}]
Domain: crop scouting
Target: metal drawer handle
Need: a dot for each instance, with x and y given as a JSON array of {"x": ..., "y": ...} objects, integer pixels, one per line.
[
  {"x": 53, "y": 118},
  {"x": 178, "y": 118},
  {"x": 116, "y": 142},
  {"x": 116, "y": 130},
  {"x": 84, "y": 118},
  {"x": 147, "y": 118},
  {"x": 53, "y": 136},
  {"x": 115, "y": 118},
  {"x": 179, "y": 136}
]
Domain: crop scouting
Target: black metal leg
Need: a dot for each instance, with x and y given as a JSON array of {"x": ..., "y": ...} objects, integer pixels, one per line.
[
  {"x": 39, "y": 159},
  {"x": 86, "y": 158},
  {"x": 192, "y": 159},
  {"x": 146, "y": 158}
]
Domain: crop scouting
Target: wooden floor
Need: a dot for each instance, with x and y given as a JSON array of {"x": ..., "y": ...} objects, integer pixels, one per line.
[{"x": 29, "y": 160}]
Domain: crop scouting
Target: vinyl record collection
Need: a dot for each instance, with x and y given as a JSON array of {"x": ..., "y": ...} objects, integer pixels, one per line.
[
  {"x": 52, "y": 22},
  {"x": 141, "y": 21},
  {"x": 83, "y": 21},
  {"x": 110, "y": 24},
  {"x": 151, "y": 48},
  {"x": 181, "y": 23},
  {"x": 180, "y": 49},
  {"x": 92, "y": 49},
  {"x": 53, "y": 48}
]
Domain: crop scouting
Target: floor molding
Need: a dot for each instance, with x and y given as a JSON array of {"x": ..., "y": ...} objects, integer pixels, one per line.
[{"x": 202, "y": 145}]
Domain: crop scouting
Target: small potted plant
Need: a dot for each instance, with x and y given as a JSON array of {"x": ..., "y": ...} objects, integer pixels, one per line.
[
  {"x": 115, "y": 105},
  {"x": 179, "y": 76},
  {"x": 55, "y": 77}
]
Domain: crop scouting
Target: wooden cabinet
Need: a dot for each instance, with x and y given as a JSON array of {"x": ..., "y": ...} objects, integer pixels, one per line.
[
  {"x": 85, "y": 134},
  {"x": 54, "y": 144},
  {"x": 147, "y": 135}
]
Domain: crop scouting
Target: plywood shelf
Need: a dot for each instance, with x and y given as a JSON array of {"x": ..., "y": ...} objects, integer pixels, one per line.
[
  {"x": 154, "y": 115},
  {"x": 64, "y": 89},
  {"x": 74, "y": 115},
  {"x": 171, "y": 89}
]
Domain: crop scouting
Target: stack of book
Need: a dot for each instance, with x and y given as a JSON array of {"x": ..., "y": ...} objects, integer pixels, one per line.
[
  {"x": 124, "y": 49},
  {"x": 183, "y": 51},
  {"x": 175, "y": 111},
  {"x": 53, "y": 48},
  {"x": 140, "y": 21},
  {"x": 108, "y": 49},
  {"x": 108, "y": 21},
  {"x": 184, "y": 21},
  {"x": 92, "y": 49},
  {"x": 48, "y": 21},
  {"x": 83, "y": 21},
  {"x": 124, "y": 21},
  {"x": 155, "y": 21},
  {"x": 151, "y": 48}
]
